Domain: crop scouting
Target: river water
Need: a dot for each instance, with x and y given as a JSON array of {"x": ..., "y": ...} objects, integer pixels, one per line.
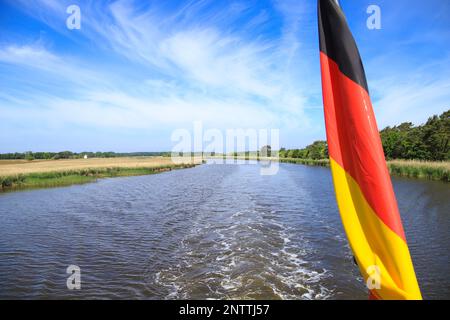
[{"x": 214, "y": 231}]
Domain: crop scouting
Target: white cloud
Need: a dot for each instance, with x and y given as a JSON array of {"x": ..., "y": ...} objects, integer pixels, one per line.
[
  {"x": 402, "y": 92},
  {"x": 197, "y": 70},
  {"x": 38, "y": 60},
  {"x": 412, "y": 102},
  {"x": 171, "y": 67}
]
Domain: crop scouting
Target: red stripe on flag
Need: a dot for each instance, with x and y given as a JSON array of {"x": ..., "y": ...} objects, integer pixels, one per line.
[{"x": 354, "y": 141}]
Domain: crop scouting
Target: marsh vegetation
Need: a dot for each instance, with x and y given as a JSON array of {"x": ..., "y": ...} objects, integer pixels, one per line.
[{"x": 19, "y": 174}]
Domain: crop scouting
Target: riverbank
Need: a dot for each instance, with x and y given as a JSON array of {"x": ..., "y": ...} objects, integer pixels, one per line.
[
  {"x": 22, "y": 174},
  {"x": 431, "y": 170},
  {"x": 420, "y": 169}
]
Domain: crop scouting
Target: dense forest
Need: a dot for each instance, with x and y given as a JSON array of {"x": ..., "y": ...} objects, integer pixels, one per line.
[
  {"x": 430, "y": 141},
  {"x": 426, "y": 142}
]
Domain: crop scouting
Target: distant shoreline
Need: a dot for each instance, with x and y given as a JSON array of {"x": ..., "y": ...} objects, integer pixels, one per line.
[
  {"x": 20, "y": 174},
  {"x": 430, "y": 170}
]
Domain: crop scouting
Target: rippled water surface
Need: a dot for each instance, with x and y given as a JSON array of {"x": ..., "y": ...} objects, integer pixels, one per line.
[{"x": 214, "y": 231}]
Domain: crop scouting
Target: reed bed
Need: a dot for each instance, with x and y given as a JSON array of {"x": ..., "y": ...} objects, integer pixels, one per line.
[
  {"x": 431, "y": 170},
  {"x": 309, "y": 162},
  {"x": 53, "y": 173},
  {"x": 420, "y": 169}
]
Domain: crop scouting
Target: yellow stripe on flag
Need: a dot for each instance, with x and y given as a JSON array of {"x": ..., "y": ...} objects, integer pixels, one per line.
[{"x": 373, "y": 243}]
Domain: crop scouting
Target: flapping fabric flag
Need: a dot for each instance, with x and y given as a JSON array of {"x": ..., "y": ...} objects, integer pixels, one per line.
[{"x": 361, "y": 179}]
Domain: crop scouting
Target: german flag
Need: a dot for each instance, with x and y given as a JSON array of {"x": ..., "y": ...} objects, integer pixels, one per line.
[{"x": 361, "y": 179}]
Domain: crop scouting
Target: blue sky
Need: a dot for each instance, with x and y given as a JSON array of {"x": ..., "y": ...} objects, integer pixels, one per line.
[{"x": 138, "y": 70}]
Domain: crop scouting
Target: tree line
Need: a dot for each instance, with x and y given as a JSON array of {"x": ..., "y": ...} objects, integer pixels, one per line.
[
  {"x": 317, "y": 150},
  {"x": 429, "y": 141},
  {"x": 74, "y": 155}
]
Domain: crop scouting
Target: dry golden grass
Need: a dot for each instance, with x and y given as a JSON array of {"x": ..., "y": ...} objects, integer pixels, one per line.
[
  {"x": 16, "y": 167},
  {"x": 422, "y": 164}
]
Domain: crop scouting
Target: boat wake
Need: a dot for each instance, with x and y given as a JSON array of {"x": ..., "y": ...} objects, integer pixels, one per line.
[{"x": 247, "y": 254}]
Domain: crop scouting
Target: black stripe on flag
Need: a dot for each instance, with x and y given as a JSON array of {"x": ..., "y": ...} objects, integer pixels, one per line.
[{"x": 337, "y": 42}]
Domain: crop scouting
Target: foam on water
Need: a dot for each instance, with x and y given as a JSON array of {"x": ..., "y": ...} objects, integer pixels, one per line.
[
  {"x": 211, "y": 232},
  {"x": 243, "y": 254}
]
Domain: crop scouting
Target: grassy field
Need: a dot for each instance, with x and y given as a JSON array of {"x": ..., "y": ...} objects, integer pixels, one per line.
[
  {"x": 420, "y": 169},
  {"x": 19, "y": 174},
  {"x": 402, "y": 168}
]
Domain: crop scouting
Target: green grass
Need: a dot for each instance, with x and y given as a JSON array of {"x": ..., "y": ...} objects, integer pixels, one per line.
[
  {"x": 402, "y": 168},
  {"x": 431, "y": 170},
  {"x": 309, "y": 162},
  {"x": 71, "y": 177},
  {"x": 420, "y": 169}
]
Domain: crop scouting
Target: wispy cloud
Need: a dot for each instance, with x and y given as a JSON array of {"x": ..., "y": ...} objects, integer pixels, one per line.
[
  {"x": 216, "y": 71},
  {"x": 155, "y": 66},
  {"x": 403, "y": 91}
]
